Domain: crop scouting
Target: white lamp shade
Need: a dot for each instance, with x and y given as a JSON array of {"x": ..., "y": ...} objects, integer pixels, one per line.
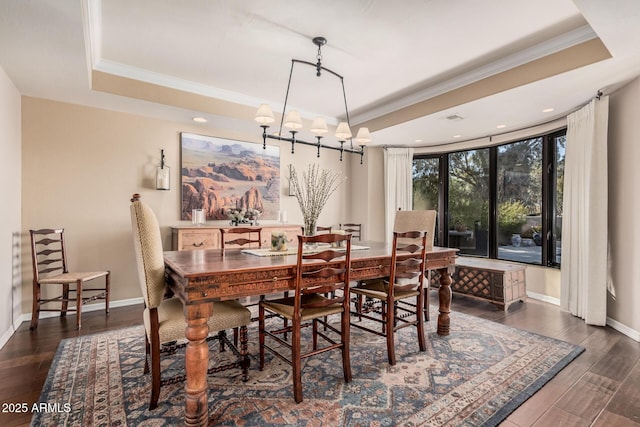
[
  {"x": 343, "y": 132},
  {"x": 363, "y": 137},
  {"x": 293, "y": 120},
  {"x": 319, "y": 126},
  {"x": 264, "y": 115}
]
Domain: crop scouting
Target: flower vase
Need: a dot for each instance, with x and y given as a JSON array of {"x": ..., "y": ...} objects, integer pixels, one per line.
[
  {"x": 310, "y": 230},
  {"x": 310, "y": 226}
]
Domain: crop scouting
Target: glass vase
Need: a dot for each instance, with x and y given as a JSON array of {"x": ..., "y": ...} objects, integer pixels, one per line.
[
  {"x": 310, "y": 230},
  {"x": 310, "y": 226}
]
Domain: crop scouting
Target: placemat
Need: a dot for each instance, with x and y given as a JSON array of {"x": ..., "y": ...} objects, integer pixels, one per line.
[{"x": 293, "y": 251}]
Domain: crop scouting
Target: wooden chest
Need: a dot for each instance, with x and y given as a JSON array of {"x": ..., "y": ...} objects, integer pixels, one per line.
[{"x": 498, "y": 282}]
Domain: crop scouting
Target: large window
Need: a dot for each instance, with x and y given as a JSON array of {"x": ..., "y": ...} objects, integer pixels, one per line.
[
  {"x": 557, "y": 182},
  {"x": 520, "y": 201},
  {"x": 468, "y": 214},
  {"x": 426, "y": 184},
  {"x": 497, "y": 202}
]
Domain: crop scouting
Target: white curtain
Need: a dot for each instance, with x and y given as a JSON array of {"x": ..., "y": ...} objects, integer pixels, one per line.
[
  {"x": 398, "y": 185},
  {"x": 584, "y": 216}
]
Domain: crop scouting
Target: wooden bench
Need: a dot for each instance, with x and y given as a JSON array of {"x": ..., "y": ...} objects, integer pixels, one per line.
[{"x": 498, "y": 282}]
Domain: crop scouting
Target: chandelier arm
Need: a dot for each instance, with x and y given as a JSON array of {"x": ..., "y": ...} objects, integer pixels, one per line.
[
  {"x": 286, "y": 97},
  {"x": 344, "y": 93},
  {"x": 314, "y": 144},
  {"x": 321, "y": 67},
  {"x": 346, "y": 109}
]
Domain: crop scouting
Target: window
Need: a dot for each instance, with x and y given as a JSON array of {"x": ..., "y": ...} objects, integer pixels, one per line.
[
  {"x": 497, "y": 202},
  {"x": 468, "y": 216},
  {"x": 557, "y": 183},
  {"x": 519, "y": 171},
  {"x": 426, "y": 184}
]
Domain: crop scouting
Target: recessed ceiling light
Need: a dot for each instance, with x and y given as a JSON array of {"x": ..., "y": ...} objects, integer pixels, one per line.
[
  {"x": 457, "y": 136},
  {"x": 200, "y": 120},
  {"x": 501, "y": 126},
  {"x": 548, "y": 110},
  {"x": 418, "y": 140}
]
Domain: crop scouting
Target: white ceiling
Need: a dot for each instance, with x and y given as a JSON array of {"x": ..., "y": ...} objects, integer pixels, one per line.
[{"x": 391, "y": 54}]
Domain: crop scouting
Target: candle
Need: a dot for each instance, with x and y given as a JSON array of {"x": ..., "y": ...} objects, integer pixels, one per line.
[
  {"x": 197, "y": 216},
  {"x": 283, "y": 217}
]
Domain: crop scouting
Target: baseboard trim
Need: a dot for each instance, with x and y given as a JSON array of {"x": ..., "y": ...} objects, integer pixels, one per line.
[
  {"x": 9, "y": 332},
  {"x": 26, "y": 317},
  {"x": 613, "y": 324},
  {"x": 544, "y": 298},
  {"x": 624, "y": 329}
]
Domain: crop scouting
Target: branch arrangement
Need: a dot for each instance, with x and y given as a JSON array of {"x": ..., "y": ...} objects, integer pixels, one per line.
[{"x": 314, "y": 190}]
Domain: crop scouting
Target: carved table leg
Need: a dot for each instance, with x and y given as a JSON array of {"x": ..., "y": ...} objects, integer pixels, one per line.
[
  {"x": 444, "y": 297},
  {"x": 196, "y": 360}
]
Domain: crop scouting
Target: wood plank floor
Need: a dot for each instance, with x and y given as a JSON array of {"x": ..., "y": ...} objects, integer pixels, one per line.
[{"x": 600, "y": 388}]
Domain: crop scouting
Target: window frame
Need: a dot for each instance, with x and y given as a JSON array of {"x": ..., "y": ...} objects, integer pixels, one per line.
[{"x": 549, "y": 179}]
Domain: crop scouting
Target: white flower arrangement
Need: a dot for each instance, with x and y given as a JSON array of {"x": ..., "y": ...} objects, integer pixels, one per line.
[{"x": 243, "y": 216}]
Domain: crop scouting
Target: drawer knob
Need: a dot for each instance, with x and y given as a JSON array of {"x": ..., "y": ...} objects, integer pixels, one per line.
[
  {"x": 197, "y": 245},
  {"x": 204, "y": 294},
  {"x": 275, "y": 278}
]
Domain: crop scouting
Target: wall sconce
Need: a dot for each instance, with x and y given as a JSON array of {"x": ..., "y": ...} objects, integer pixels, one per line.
[{"x": 163, "y": 174}]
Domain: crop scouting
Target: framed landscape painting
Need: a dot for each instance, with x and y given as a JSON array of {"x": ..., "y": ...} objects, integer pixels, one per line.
[{"x": 221, "y": 176}]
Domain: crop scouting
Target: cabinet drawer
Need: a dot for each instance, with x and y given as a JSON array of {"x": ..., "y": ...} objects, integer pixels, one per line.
[{"x": 197, "y": 240}]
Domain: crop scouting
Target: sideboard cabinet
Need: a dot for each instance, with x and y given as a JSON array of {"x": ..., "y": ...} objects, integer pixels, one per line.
[{"x": 204, "y": 237}]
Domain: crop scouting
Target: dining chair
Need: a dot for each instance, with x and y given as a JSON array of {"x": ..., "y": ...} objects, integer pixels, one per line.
[
  {"x": 319, "y": 229},
  {"x": 401, "y": 296},
  {"x": 354, "y": 229},
  {"x": 322, "y": 290},
  {"x": 246, "y": 239},
  {"x": 419, "y": 220},
  {"x": 164, "y": 319},
  {"x": 50, "y": 268},
  {"x": 241, "y": 242}
]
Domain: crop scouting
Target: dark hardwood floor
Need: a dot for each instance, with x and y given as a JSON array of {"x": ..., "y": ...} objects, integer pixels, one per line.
[{"x": 600, "y": 388}]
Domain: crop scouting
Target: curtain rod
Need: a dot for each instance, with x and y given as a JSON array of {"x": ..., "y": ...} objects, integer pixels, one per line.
[{"x": 597, "y": 96}]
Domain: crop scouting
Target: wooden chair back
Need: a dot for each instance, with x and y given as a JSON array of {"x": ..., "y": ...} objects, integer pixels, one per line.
[
  {"x": 354, "y": 229},
  {"x": 325, "y": 278},
  {"x": 48, "y": 253},
  {"x": 240, "y": 241},
  {"x": 407, "y": 273}
]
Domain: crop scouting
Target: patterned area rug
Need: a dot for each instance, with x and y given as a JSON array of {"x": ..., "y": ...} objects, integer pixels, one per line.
[{"x": 476, "y": 376}]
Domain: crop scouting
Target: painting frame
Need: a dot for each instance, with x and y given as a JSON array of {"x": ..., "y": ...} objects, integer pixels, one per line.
[{"x": 227, "y": 177}]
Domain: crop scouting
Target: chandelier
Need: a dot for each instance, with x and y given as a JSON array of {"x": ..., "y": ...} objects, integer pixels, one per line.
[{"x": 293, "y": 121}]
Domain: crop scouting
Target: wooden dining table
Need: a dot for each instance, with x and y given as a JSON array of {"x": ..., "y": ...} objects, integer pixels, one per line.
[{"x": 200, "y": 277}]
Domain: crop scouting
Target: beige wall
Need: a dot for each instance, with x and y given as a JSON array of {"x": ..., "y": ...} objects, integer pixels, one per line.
[
  {"x": 10, "y": 188},
  {"x": 367, "y": 194},
  {"x": 81, "y": 165},
  {"x": 624, "y": 205}
]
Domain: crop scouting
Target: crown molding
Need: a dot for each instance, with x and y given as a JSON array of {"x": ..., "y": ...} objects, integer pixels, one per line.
[{"x": 554, "y": 45}]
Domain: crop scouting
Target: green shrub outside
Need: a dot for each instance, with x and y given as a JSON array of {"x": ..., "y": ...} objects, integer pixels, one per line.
[{"x": 511, "y": 218}]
